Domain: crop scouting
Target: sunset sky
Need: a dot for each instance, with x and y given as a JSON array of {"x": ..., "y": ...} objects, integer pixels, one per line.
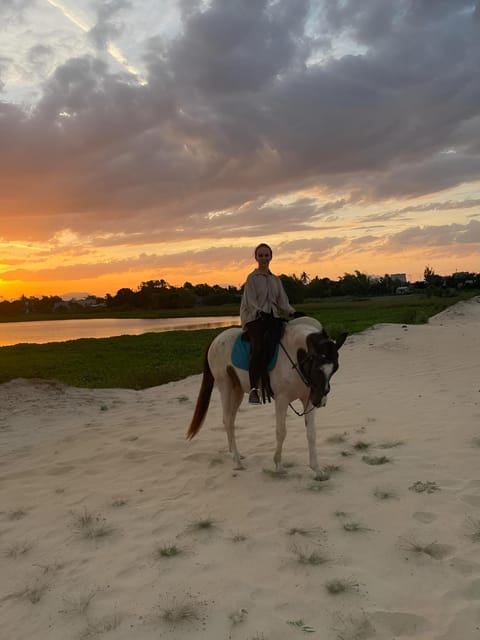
[{"x": 148, "y": 139}]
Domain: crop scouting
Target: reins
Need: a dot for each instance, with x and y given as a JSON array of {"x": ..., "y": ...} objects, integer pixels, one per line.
[{"x": 305, "y": 381}]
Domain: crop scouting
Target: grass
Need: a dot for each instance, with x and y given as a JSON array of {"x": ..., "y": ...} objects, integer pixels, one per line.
[
  {"x": 91, "y": 526},
  {"x": 306, "y": 555},
  {"x": 341, "y": 585},
  {"x": 376, "y": 460},
  {"x": 361, "y": 445},
  {"x": 352, "y": 526},
  {"x": 17, "y": 514},
  {"x": 411, "y": 544},
  {"x": 382, "y": 493},
  {"x": 305, "y": 531},
  {"x": 181, "y": 610},
  {"x": 138, "y": 362},
  {"x": 168, "y": 551},
  {"x": 203, "y": 524},
  {"x": 239, "y": 537},
  {"x": 424, "y": 487}
]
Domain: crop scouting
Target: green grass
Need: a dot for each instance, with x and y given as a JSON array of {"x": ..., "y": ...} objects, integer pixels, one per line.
[{"x": 138, "y": 362}]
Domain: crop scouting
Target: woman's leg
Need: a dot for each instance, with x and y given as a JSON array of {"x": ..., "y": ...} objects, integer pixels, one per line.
[{"x": 255, "y": 331}]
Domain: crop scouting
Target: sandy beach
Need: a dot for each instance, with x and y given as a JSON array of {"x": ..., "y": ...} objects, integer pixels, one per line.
[{"x": 113, "y": 526}]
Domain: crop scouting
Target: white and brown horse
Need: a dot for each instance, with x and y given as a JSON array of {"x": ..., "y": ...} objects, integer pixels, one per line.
[{"x": 306, "y": 361}]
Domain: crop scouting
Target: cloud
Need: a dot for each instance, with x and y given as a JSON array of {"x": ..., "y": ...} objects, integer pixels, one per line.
[
  {"x": 107, "y": 27},
  {"x": 238, "y": 111}
]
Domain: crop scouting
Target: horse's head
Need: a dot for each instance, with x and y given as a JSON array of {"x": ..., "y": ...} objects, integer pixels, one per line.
[{"x": 318, "y": 364}]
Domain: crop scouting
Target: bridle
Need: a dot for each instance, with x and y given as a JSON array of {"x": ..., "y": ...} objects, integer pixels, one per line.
[{"x": 305, "y": 379}]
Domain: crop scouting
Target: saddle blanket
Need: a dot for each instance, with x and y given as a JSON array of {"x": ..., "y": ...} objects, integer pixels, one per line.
[{"x": 241, "y": 353}]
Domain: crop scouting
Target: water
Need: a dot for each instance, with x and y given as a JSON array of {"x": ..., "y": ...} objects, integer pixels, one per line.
[{"x": 62, "y": 330}]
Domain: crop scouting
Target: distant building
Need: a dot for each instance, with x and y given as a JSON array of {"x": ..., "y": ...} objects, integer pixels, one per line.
[{"x": 401, "y": 277}]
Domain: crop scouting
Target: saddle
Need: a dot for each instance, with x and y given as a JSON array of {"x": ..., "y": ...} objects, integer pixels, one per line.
[{"x": 274, "y": 328}]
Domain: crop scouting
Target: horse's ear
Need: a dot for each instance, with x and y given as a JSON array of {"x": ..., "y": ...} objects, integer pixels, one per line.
[{"x": 340, "y": 340}]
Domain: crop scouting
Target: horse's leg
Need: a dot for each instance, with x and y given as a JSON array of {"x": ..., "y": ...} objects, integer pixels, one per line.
[
  {"x": 281, "y": 428},
  {"x": 320, "y": 474},
  {"x": 232, "y": 396}
]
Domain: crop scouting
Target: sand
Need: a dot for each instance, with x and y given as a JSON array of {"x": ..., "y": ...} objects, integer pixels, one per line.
[{"x": 113, "y": 526}]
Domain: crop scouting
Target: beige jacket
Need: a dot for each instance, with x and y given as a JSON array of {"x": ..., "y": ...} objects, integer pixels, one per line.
[{"x": 263, "y": 292}]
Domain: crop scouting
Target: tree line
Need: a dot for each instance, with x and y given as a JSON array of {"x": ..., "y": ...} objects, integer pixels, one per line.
[{"x": 152, "y": 295}]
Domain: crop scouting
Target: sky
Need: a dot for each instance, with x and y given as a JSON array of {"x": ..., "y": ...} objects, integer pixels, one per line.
[{"x": 164, "y": 139}]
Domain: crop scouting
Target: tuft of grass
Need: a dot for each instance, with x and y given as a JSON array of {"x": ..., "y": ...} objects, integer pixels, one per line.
[
  {"x": 410, "y": 544},
  {"x": 474, "y": 529},
  {"x": 91, "y": 526},
  {"x": 376, "y": 460},
  {"x": 119, "y": 502},
  {"x": 203, "y": 524},
  {"x": 18, "y": 548},
  {"x": 309, "y": 556},
  {"x": 78, "y": 604},
  {"x": 476, "y": 441},
  {"x": 305, "y": 531},
  {"x": 384, "y": 493},
  {"x": 341, "y": 585},
  {"x": 239, "y": 537},
  {"x": 17, "y": 514},
  {"x": 214, "y": 460},
  {"x": 424, "y": 487},
  {"x": 182, "y": 610},
  {"x": 168, "y": 551},
  {"x": 391, "y": 444},
  {"x": 319, "y": 487},
  {"x": 354, "y": 527},
  {"x": 345, "y": 453},
  {"x": 182, "y": 398},
  {"x": 361, "y": 445}
]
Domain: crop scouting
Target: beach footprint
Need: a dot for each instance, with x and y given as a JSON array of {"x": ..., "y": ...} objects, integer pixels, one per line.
[
  {"x": 400, "y": 623},
  {"x": 424, "y": 516}
]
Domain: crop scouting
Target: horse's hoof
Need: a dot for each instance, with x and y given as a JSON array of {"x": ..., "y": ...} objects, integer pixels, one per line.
[
  {"x": 321, "y": 476},
  {"x": 239, "y": 467}
]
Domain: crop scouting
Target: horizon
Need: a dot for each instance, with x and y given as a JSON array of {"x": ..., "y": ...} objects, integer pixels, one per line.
[
  {"x": 142, "y": 140},
  {"x": 81, "y": 295}
]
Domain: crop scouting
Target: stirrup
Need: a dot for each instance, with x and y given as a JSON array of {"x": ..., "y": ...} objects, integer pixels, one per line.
[{"x": 253, "y": 397}]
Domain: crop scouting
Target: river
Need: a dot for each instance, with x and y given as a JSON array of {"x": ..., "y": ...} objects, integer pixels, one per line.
[{"x": 61, "y": 330}]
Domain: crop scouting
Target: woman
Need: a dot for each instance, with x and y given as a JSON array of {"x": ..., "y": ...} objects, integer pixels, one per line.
[{"x": 263, "y": 297}]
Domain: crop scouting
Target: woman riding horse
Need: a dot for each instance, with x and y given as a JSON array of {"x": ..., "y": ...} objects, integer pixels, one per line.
[{"x": 264, "y": 299}]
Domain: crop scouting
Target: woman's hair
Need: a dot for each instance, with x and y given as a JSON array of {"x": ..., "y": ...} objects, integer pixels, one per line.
[{"x": 263, "y": 244}]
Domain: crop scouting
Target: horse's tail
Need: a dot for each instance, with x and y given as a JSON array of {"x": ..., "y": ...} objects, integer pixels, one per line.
[{"x": 203, "y": 400}]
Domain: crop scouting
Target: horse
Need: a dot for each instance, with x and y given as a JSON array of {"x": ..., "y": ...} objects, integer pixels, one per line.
[{"x": 307, "y": 359}]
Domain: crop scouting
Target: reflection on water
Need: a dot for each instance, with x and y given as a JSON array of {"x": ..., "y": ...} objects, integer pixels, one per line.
[{"x": 61, "y": 330}]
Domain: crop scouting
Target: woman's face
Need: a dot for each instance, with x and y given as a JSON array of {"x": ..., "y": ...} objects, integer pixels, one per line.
[{"x": 263, "y": 255}]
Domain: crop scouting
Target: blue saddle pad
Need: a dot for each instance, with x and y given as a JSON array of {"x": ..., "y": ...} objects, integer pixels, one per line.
[{"x": 241, "y": 353}]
